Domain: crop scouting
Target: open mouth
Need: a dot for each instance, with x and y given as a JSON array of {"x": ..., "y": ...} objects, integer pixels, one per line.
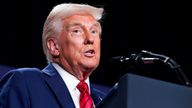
[{"x": 89, "y": 53}]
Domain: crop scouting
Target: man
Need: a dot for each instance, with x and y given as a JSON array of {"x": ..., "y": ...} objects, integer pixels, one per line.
[{"x": 71, "y": 43}]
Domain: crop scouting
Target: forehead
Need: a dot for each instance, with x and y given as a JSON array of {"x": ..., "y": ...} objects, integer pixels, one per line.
[{"x": 80, "y": 18}]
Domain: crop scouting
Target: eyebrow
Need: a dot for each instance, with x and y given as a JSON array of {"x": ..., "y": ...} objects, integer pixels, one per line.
[{"x": 76, "y": 23}]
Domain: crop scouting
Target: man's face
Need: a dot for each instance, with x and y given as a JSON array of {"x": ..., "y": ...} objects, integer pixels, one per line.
[{"x": 80, "y": 43}]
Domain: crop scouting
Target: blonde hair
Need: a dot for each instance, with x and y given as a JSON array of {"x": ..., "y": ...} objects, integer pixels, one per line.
[{"x": 53, "y": 24}]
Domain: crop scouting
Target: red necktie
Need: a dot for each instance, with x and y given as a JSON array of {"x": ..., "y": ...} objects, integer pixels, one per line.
[{"x": 85, "y": 97}]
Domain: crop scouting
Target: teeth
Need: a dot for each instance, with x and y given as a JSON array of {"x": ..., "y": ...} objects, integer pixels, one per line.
[{"x": 89, "y": 53}]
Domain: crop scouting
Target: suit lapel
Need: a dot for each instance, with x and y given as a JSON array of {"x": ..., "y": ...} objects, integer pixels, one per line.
[
  {"x": 58, "y": 87},
  {"x": 95, "y": 95}
]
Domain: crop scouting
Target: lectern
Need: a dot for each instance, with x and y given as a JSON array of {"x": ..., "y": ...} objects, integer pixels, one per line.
[{"x": 134, "y": 91}]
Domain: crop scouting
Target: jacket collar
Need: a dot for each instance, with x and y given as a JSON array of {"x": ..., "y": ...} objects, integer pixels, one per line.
[{"x": 57, "y": 86}]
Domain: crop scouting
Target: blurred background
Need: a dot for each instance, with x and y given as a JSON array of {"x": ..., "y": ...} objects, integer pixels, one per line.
[{"x": 162, "y": 27}]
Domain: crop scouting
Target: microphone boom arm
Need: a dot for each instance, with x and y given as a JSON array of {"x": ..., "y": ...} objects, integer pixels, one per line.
[{"x": 173, "y": 65}]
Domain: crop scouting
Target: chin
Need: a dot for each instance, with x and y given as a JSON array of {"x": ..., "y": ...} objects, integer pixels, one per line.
[
  {"x": 88, "y": 63},
  {"x": 91, "y": 67}
]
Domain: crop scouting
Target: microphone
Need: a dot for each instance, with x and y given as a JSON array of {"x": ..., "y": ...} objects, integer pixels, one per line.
[
  {"x": 161, "y": 57},
  {"x": 134, "y": 59}
]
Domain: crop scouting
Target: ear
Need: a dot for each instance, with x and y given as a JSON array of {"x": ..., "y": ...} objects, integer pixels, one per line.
[{"x": 53, "y": 47}]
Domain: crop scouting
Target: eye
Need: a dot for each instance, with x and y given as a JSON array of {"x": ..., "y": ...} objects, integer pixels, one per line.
[
  {"x": 94, "y": 32},
  {"x": 76, "y": 31}
]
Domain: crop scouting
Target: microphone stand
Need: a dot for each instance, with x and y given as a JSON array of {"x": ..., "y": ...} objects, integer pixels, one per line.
[
  {"x": 182, "y": 77},
  {"x": 173, "y": 65}
]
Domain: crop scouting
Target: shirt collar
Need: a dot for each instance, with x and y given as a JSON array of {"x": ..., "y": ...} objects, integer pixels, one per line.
[{"x": 70, "y": 80}]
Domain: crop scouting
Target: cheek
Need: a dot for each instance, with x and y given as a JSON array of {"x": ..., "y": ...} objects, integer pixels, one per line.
[
  {"x": 74, "y": 47},
  {"x": 68, "y": 47},
  {"x": 98, "y": 45},
  {"x": 98, "y": 49}
]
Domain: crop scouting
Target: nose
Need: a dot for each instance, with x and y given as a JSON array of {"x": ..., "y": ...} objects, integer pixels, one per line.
[{"x": 89, "y": 39}]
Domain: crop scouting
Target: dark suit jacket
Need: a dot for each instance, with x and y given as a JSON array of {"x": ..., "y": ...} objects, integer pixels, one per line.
[{"x": 34, "y": 88}]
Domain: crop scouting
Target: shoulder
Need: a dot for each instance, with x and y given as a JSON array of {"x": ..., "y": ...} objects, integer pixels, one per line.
[
  {"x": 22, "y": 72},
  {"x": 19, "y": 75},
  {"x": 14, "y": 86},
  {"x": 25, "y": 70}
]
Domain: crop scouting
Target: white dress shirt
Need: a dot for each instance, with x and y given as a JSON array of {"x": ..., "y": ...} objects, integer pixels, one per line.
[{"x": 71, "y": 82}]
